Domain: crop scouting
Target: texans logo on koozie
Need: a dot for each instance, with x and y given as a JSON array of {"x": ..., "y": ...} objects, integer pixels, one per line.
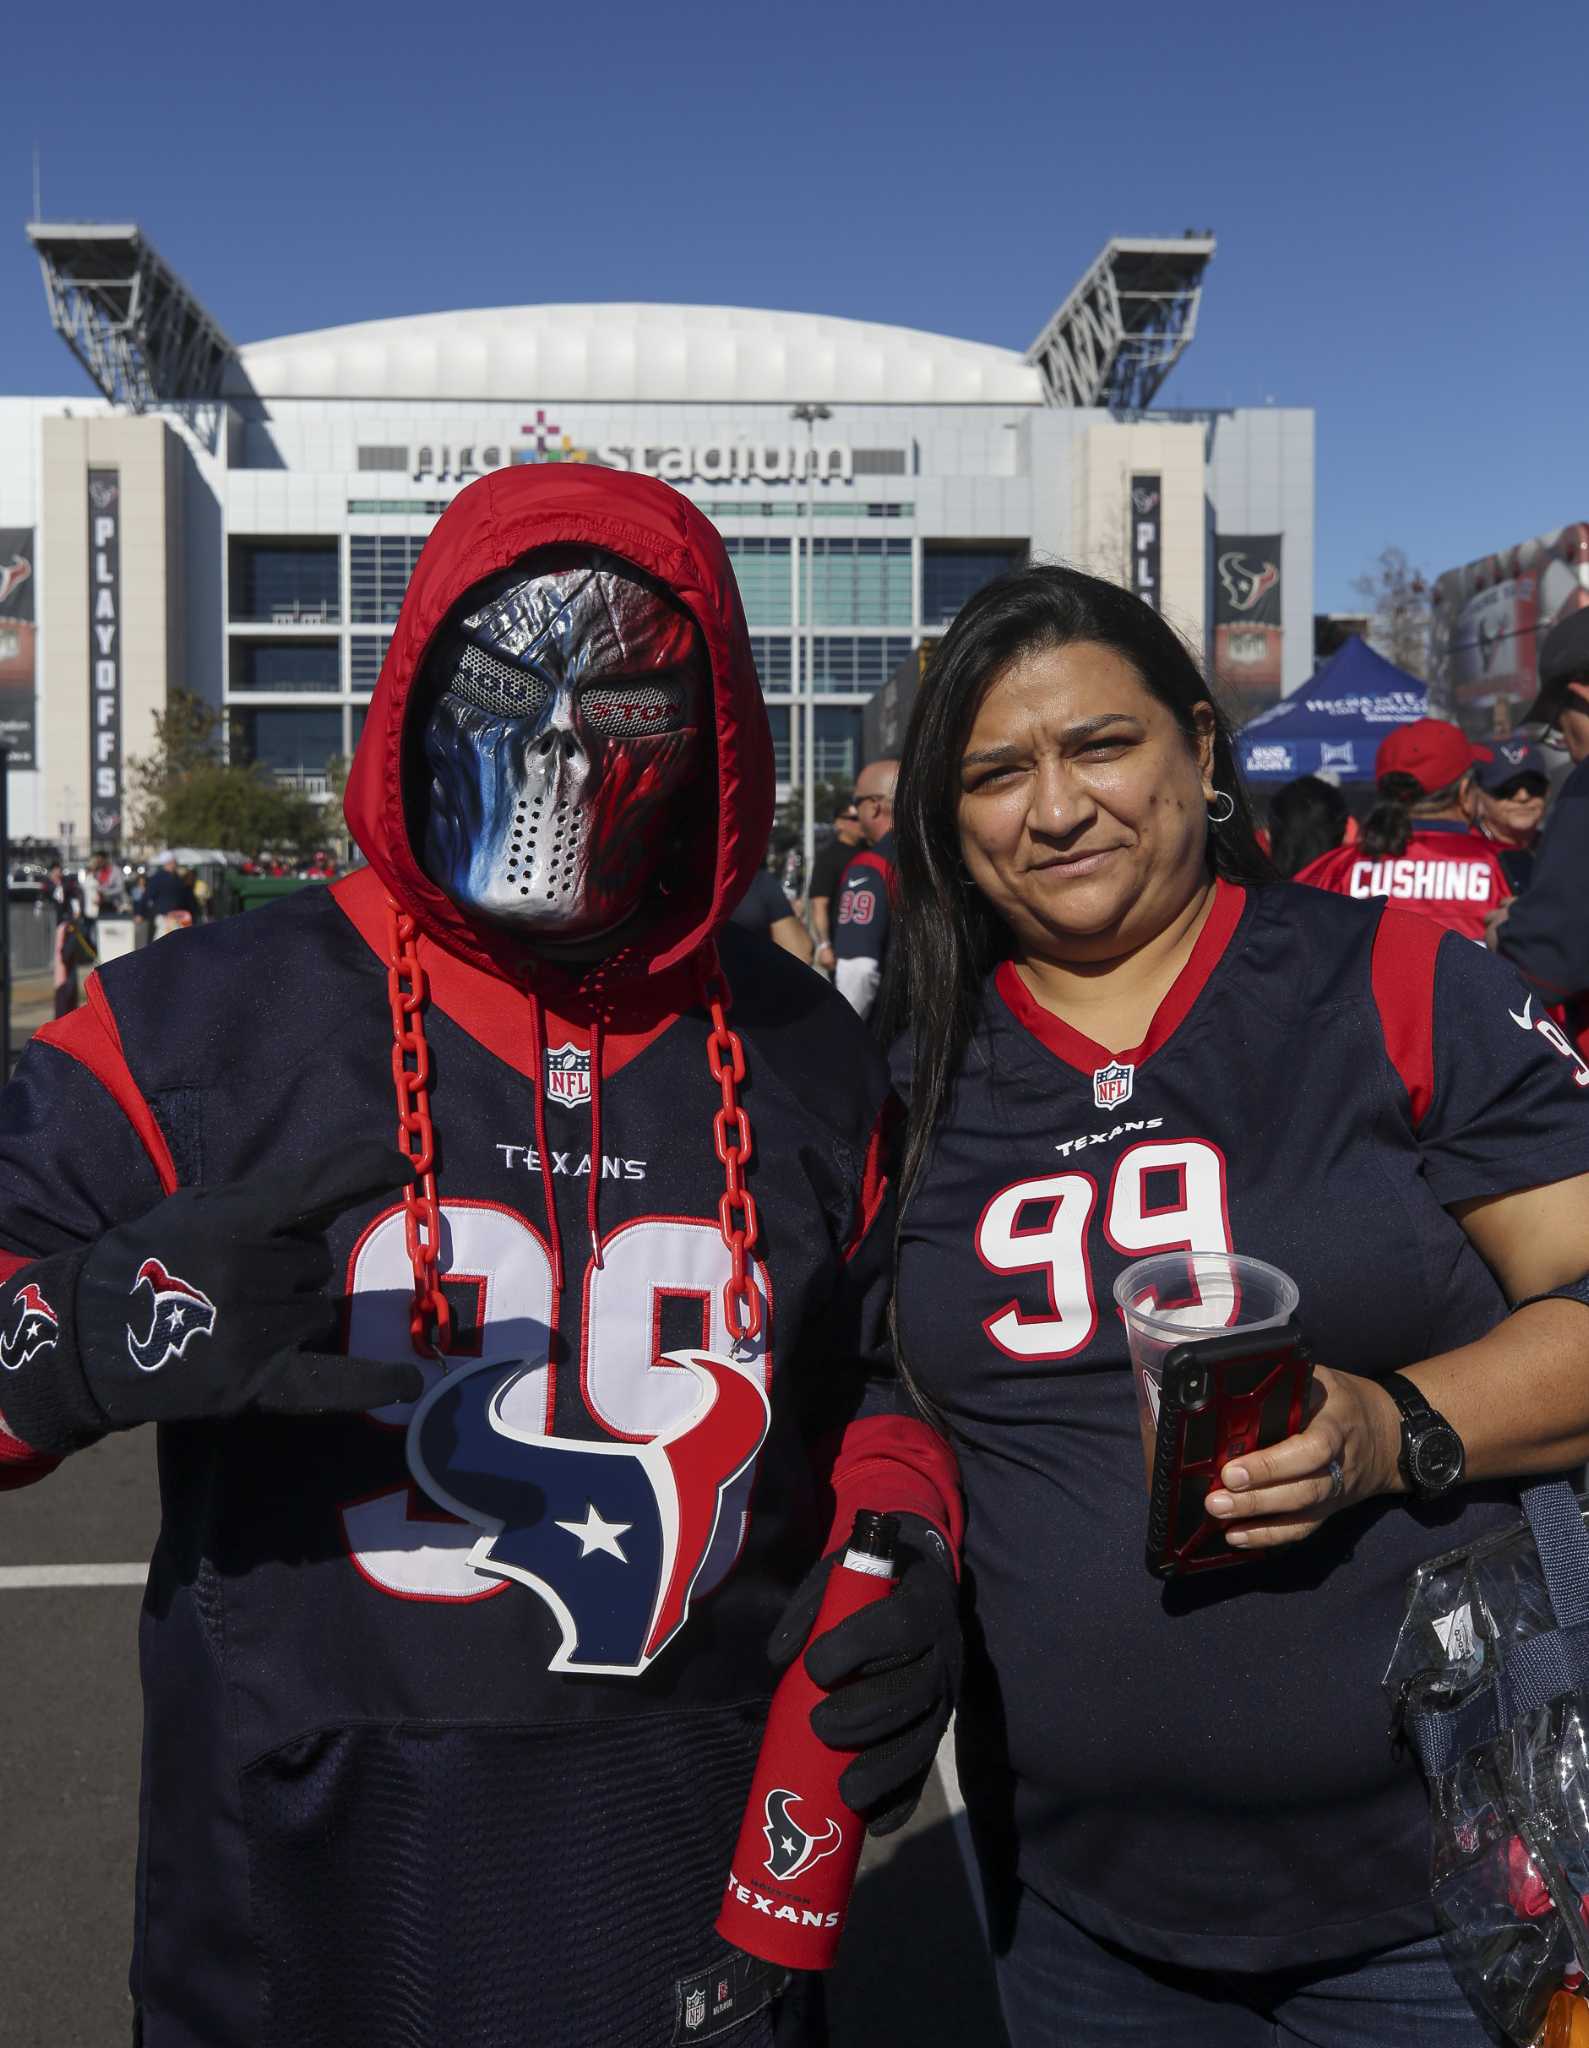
[
  {"x": 612, "y": 1536},
  {"x": 790, "y": 1847},
  {"x": 34, "y": 1328},
  {"x": 181, "y": 1313}
]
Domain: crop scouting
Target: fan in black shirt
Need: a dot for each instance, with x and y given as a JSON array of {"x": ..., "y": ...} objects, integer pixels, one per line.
[{"x": 765, "y": 910}]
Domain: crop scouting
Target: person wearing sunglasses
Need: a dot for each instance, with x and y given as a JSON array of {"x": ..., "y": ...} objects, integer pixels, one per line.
[
  {"x": 1545, "y": 934},
  {"x": 1511, "y": 786},
  {"x": 827, "y": 869}
]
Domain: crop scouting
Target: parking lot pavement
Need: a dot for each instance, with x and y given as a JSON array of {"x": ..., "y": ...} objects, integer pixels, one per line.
[{"x": 913, "y": 1973}]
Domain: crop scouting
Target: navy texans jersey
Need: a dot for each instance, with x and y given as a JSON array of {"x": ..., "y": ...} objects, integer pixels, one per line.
[
  {"x": 448, "y": 1727},
  {"x": 861, "y": 918},
  {"x": 1201, "y": 1770}
]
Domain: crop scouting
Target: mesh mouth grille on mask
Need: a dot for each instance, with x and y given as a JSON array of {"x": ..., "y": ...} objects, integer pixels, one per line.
[
  {"x": 497, "y": 687},
  {"x": 627, "y": 711}
]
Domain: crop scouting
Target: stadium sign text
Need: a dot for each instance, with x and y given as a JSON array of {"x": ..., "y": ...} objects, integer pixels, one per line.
[{"x": 710, "y": 462}]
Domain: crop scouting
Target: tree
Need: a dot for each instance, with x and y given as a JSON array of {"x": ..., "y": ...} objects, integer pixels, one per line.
[
  {"x": 185, "y": 794},
  {"x": 1398, "y": 601}
]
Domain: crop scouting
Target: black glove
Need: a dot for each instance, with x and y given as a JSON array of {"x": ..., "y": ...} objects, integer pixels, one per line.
[
  {"x": 215, "y": 1302},
  {"x": 896, "y": 1667}
]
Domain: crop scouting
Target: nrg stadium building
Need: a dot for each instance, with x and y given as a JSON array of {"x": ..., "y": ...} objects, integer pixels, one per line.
[{"x": 241, "y": 521}]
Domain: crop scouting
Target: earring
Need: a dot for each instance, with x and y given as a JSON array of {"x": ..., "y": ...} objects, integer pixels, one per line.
[{"x": 1218, "y": 816}]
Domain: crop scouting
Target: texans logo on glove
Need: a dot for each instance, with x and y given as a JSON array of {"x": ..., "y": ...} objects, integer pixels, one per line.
[
  {"x": 181, "y": 1313},
  {"x": 33, "y": 1330}
]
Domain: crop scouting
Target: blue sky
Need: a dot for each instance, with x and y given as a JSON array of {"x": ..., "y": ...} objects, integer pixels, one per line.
[{"x": 1397, "y": 192}]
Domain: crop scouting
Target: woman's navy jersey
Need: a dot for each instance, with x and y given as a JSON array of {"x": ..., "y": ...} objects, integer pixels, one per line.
[
  {"x": 1202, "y": 1770},
  {"x": 425, "y": 1779}
]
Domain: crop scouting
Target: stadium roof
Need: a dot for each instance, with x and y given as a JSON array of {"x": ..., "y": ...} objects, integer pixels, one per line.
[
  {"x": 1122, "y": 328},
  {"x": 146, "y": 340},
  {"x": 143, "y": 337},
  {"x": 652, "y": 353}
]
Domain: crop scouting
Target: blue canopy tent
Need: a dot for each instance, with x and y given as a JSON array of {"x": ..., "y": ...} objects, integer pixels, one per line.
[{"x": 1335, "y": 722}]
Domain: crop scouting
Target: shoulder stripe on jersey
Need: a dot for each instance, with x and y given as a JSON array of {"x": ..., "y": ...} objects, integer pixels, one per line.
[
  {"x": 1405, "y": 949},
  {"x": 89, "y": 1036}
]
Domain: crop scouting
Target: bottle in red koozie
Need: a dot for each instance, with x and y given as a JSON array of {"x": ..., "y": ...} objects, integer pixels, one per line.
[{"x": 789, "y": 1887}]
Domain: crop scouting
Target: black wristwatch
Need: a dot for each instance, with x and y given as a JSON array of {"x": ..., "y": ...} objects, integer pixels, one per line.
[{"x": 1432, "y": 1457}]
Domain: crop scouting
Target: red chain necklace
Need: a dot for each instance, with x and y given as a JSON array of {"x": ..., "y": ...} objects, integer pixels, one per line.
[{"x": 430, "y": 1316}]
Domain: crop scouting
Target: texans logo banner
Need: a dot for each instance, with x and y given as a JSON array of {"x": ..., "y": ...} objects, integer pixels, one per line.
[{"x": 612, "y": 1536}]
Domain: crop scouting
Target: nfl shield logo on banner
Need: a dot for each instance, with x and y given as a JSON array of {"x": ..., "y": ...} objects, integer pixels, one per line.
[
  {"x": 1111, "y": 1085},
  {"x": 567, "y": 1075},
  {"x": 695, "y": 2012}
]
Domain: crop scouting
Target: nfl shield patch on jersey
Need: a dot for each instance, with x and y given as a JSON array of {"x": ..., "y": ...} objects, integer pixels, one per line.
[
  {"x": 1112, "y": 1085},
  {"x": 567, "y": 1075}
]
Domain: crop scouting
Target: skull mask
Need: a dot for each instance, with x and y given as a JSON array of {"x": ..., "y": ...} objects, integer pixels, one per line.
[{"x": 569, "y": 718}]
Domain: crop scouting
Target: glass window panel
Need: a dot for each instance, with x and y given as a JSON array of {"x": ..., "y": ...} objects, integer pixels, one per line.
[
  {"x": 842, "y": 663},
  {"x": 280, "y": 582},
  {"x": 286, "y": 665},
  {"x": 949, "y": 575},
  {"x": 838, "y": 743},
  {"x": 774, "y": 661},
  {"x": 366, "y": 652},
  {"x": 287, "y": 740},
  {"x": 860, "y": 582},
  {"x": 778, "y": 719},
  {"x": 761, "y": 569},
  {"x": 378, "y": 571}
]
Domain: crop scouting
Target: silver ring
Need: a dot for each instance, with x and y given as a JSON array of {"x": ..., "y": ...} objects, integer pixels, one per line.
[{"x": 1337, "y": 1480}]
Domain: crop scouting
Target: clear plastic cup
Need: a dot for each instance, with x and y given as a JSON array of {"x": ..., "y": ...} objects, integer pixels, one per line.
[{"x": 1174, "y": 1297}]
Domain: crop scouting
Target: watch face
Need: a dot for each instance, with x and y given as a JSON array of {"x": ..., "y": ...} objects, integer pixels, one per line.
[{"x": 1436, "y": 1459}]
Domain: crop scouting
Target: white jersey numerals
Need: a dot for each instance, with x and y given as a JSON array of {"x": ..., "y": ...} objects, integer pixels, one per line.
[
  {"x": 398, "y": 1540},
  {"x": 1163, "y": 1197}
]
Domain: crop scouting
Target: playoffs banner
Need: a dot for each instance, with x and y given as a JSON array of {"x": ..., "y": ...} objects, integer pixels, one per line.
[
  {"x": 18, "y": 646},
  {"x": 1247, "y": 639},
  {"x": 1146, "y": 498},
  {"x": 104, "y": 668}
]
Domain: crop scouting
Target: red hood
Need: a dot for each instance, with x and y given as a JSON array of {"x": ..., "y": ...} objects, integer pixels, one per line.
[{"x": 487, "y": 528}]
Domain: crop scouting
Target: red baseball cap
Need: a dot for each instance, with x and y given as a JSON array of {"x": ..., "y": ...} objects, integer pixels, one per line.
[{"x": 1432, "y": 751}]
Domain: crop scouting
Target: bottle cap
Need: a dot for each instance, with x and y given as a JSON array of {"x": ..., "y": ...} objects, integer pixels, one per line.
[{"x": 874, "y": 1535}]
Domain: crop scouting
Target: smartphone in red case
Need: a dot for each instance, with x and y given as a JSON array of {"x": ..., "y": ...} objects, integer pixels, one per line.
[{"x": 1222, "y": 1396}]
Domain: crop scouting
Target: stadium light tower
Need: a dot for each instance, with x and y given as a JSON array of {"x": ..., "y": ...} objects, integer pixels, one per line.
[
  {"x": 135, "y": 327},
  {"x": 1124, "y": 325}
]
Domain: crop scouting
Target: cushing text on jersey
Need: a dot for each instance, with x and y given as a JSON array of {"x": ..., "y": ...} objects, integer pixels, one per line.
[{"x": 573, "y": 1164}]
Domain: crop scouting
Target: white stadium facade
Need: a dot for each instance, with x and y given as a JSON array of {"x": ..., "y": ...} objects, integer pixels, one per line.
[{"x": 240, "y": 521}]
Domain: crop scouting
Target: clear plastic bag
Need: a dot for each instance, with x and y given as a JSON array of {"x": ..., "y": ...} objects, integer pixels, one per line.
[
  {"x": 1511, "y": 1866},
  {"x": 1485, "y": 1639},
  {"x": 1464, "y": 1612}
]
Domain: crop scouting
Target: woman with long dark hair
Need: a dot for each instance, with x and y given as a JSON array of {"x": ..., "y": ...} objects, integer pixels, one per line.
[{"x": 1116, "y": 1039}]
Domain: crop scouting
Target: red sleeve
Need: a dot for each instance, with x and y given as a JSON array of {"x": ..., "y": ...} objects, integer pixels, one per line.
[
  {"x": 899, "y": 1465},
  {"x": 1403, "y": 975}
]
